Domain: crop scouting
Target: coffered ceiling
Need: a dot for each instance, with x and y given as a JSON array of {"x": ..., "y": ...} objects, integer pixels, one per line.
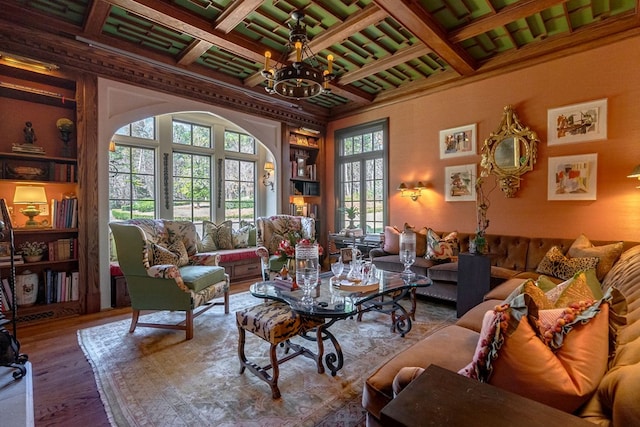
[{"x": 383, "y": 49}]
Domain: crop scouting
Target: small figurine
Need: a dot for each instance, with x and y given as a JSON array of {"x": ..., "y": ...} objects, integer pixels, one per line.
[{"x": 29, "y": 133}]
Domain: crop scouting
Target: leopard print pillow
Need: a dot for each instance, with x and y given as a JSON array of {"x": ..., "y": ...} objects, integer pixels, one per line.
[
  {"x": 216, "y": 236},
  {"x": 557, "y": 265},
  {"x": 175, "y": 253}
]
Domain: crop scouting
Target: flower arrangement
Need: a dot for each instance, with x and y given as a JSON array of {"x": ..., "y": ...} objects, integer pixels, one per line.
[
  {"x": 287, "y": 247},
  {"x": 32, "y": 248}
]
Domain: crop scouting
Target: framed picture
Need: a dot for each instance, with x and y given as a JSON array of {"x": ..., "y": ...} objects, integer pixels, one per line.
[
  {"x": 456, "y": 142},
  {"x": 572, "y": 177},
  {"x": 577, "y": 123},
  {"x": 459, "y": 183}
]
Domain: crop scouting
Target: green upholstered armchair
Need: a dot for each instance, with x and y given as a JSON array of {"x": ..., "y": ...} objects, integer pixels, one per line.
[
  {"x": 270, "y": 231},
  {"x": 168, "y": 285}
]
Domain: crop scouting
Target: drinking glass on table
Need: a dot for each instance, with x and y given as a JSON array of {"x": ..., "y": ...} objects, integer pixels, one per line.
[
  {"x": 307, "y": 268},
  {"x": 407, "y": 251},
  {"x": 337, "y": 267}
]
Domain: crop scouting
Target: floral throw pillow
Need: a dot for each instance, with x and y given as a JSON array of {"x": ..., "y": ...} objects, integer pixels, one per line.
[
  {"x": 216, "y": 236},
  {"x": 441, "y": 248},
  {"x": 557, "y": 265},
  {"x": 241, "y": 237}
]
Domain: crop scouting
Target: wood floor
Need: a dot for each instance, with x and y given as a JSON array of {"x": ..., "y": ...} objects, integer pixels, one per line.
[{"x": 64, "y": 388}]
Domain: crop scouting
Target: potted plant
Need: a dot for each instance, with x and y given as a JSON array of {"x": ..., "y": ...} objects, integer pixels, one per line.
[
  {"x": 352, "y": 213},
  {"x": 32, "y": 251}
]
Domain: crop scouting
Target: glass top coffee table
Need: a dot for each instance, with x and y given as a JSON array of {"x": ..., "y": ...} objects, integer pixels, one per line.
[{"x": 336, "y": 299}]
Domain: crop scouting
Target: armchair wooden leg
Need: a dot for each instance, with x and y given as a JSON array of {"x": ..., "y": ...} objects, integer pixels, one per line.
[
  {"x": 135, "y": 314},
  {"x": 189, "y": 324},
  {"x": 226, "y": 302}
]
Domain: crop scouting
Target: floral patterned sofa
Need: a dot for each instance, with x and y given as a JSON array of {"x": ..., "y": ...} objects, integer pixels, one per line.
[{"x": 274, "y": 229}]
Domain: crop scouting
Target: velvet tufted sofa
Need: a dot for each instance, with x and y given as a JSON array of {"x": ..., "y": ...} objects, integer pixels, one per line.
[
  {"x": 612, "y": 401},
  {"x": 511, "y": 256}
]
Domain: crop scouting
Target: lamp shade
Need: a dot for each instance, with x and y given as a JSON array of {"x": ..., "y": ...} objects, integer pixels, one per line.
[
  {"x": 29, "y": 195},
  {"x": 269, "y": 167}
]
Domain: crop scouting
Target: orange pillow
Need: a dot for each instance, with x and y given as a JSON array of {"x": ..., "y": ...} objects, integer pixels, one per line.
[{"x": 564, "y": 379}]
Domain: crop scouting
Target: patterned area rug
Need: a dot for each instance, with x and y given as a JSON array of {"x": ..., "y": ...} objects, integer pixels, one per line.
[{"x": 154, "y": 377}]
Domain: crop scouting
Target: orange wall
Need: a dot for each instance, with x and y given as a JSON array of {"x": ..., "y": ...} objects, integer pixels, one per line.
[{"x": 609, "y": 72}]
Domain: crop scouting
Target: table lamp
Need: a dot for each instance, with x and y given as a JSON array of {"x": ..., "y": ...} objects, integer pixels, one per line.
[{"x": 30, "y": 196}]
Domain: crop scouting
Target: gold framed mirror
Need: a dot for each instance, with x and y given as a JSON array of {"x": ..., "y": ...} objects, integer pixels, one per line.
[{"x": 510, "y": 151}]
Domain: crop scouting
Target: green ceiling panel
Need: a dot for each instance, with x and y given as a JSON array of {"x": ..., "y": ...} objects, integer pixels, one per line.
[
  {"x": 72, "y": 11},
  {"x": 207, "y": 9}
]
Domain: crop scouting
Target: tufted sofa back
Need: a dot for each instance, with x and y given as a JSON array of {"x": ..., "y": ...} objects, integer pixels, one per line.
[{"x": 524, "y": 253}]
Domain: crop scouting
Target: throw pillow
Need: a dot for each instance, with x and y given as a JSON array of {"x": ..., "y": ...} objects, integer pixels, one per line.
[
  {"x": 557, "y": 265},
  {"x": 216, "y": 236},
  {"x": 556, "y": 357},
  {"x": 391, "y": 240},
  {"x": 441, "y": 248},
  {"x": 241, "y": 237},
  {"x": 252, "y": 232},
  {"x": 421, "y": 239},
  {"x": 562, "y": 295},
  {"x": 607, "y": 254},
  {"x": 175, "y": 254}
]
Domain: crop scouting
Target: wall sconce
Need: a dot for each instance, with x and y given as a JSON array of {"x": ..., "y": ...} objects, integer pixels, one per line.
[
  {"x": 635, "y": 173},
  {"x": 31, "y": 196},
  {"x": 413, "y": 192},
  {"x": 268, "y": 170}
]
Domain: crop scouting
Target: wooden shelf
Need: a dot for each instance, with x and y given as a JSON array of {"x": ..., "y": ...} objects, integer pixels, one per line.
[{"x": 25, "y": 93}]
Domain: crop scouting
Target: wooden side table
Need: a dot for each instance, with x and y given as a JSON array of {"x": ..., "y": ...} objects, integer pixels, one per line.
[
  {"x": 474, "y": 280},
  {"x": 440, "y": 397}
]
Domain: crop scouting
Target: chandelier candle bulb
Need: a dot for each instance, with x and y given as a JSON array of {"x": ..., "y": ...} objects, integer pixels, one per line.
[
  {"x": 267, "y": 55},
  {"x": 330, "y": 65}
]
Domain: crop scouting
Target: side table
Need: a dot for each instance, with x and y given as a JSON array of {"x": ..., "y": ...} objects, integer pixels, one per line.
[
  {"x": 474, "y": 280},
  {"x": 440, "y": 397}
]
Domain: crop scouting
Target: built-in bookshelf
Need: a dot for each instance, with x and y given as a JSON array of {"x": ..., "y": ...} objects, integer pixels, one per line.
[{"x": 39, "y": 149}]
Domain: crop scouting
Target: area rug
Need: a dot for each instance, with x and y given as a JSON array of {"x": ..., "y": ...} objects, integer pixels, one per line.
[{"x": 154, "y": 377}]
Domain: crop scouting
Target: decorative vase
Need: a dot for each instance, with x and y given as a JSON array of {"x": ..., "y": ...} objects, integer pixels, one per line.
[
  {"x": 26, "y": 288},
  {"x": 32, "y": 258}
]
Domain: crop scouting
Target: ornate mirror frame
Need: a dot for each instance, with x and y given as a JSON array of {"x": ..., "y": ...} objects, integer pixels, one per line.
[{"x": 510, "y": 151}]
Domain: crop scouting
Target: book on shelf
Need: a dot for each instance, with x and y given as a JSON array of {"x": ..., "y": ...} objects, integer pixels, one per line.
[
  {"x": 64, "y": 213},
  {"x": 7, "y": 295},
  {"x": 5, "y": 261}
]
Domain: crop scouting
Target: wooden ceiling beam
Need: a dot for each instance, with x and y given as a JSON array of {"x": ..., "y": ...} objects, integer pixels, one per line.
[
  {"x": 181, "y": 20},
  {"x": 98, "y": 13},
  {"x": 194, "y": 51},
  {"x": 382, "y": 64},
  {"x": 507, "y": 15},
  {"x": 235, "y": 13},
  {"x": 416, "y": 19}
]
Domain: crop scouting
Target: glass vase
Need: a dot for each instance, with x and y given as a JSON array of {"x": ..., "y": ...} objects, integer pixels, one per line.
[
  {"x": 307, "y": 268},
  {"x": 407, "y": 251}
]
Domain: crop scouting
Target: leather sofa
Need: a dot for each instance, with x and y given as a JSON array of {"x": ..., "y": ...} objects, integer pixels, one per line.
[
  {"x": 614, "y": 401},
  {"x": 510, "y": 256}
]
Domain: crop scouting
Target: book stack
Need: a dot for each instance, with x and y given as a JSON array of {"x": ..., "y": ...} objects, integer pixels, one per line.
[
  {"x": 60, "y": 286},
  {"x": 64, "y": 213},
  {"x": 62, "y": 249},
  {"x": 28, "y": 149},
  {"x": 5, "y": 261},
  {"x": 7, "y": 296}
]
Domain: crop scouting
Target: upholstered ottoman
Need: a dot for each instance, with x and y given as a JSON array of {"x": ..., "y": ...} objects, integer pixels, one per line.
[{"x": 274, "y": 322}]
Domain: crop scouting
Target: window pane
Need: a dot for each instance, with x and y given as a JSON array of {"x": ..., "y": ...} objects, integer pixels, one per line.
[
  {"x": 144, "y": 128},
  {"x": 361, "y": 176},
  {"x": 191, "y": 187},
  {"x": 247, "y": 144},
  {"x": 239, "y": 190},
  {"x": 132, "y": 183},
  {"x": 202, "y": 136},
  {"x": 181, "y": 133},
  {"x": 231, "y": 141}
]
